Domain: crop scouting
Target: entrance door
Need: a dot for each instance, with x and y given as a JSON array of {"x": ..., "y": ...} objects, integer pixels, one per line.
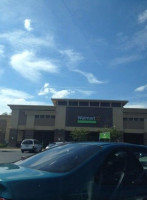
[
  {"x": 45, "y": 137},
  {"x": 134, "y": 138}
]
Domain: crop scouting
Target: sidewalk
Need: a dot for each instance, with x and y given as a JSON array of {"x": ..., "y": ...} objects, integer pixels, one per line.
[{"x": 9, "y": 149}]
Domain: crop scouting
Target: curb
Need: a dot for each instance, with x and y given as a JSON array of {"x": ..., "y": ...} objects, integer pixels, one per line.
[{"x": 8, "y": 150}]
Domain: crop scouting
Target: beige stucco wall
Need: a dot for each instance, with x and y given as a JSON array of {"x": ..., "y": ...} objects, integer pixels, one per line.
[
  {"x": 30, "y": 122},
  {"x": 14, "y": 119},
  {"x": 7, "y": 128},
  {"x": 145, "y": 131},
  {"x": 118, "y": 118},
  {"x": 60, "y": 117}
]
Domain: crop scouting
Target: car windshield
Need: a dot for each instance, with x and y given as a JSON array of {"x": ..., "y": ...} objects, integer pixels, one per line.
[
  {"x": 61, "y": 159},
  {"x": 27, "y": 142}
]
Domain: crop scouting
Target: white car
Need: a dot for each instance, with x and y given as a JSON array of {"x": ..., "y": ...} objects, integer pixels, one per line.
[
  {"x": 54, "y": 144},
  {"x": 31, "y": 145}
]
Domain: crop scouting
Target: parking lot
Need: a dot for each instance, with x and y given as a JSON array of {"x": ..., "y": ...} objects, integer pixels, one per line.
[{"x": 11, "y": 155}]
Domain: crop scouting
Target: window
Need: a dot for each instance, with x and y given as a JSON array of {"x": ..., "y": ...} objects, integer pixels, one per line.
[
  {"x": 83, "y": 103},
  {"x": 113, "y": 168},
  {"x": 116, "y": 104},
  {"x": 73, "y": 103},
  {"x": 27, "y": 142},
  {"x": 47, "y": 116},
  {"x": 41, "y": 116},
  {"x": 62, "y": 158},
  {"x": 142, "y": 157},
  {"x": 36, "y": 116},
  {"x": 52, "y": 116},
  {"x": 36, "y": 142},
  {"x": 94, "y": 104},
  {"x": 135, "y": 174},
  {"x": 62, "y": 103},
  {"x": 103, "y": 104}
]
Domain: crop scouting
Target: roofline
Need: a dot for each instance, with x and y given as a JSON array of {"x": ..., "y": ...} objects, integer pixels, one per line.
[
  {"x": 124, "y": 102},
  {"x": 12, "y": 106}
]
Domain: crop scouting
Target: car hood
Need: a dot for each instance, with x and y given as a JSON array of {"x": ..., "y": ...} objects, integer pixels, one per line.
[
  {"x": 18, "y": 182},
  {"x": 13, "y": 172}
]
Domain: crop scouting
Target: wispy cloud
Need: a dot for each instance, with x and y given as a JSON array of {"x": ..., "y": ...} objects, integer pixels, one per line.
[
  {"x": 15, "y": 93},
  {"x": 90, "y": 77},
  {"x": 2, "y": 51},
  {"x": 22, "y": 39},
  {"x": 85, "y": 92},
  {"x": 137, "y": 42},
  {"x": 125, "y": 59},
  {"x": 142, "y": 17},
  {"x": 141, "y": 88},
  {"x": 11, "y": 96},
  {"x": 30, "y": 66},
  {"x": 27, "y": 25},
  {"x": 46, "y": 89},
  {"x": 72, "y": 55},
  {"x": 74, "y": 58},
  {"x": 136, "y": 105}
]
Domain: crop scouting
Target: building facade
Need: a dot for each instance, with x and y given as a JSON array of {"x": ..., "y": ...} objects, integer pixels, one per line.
[
  {"x": 4, "y": 128},
  {"x": 55, "y": 123}
]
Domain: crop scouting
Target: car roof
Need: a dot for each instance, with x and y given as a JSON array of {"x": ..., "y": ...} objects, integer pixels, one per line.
[
  {"x": 29, "y": 139},
  {"x": 112, "y": 144}
]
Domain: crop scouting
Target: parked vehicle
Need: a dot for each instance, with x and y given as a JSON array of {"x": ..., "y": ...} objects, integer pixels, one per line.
[
  {"x": 53, "y": 144},
  {"x": 31, "y": 145},
  {"x": 78, "y": 171}
]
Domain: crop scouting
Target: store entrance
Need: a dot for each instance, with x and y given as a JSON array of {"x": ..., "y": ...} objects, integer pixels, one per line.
[
  {"x": 134, "y": 138},
  {"x": 45, "y": 137}
]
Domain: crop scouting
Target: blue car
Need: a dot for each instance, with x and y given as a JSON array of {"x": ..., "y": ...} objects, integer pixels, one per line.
[{"x": 78, "y": 171}]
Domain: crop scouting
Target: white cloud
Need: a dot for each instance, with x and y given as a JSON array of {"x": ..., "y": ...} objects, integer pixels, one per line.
[
  {"x": 21, "y": 39},
  {"x": 11, "y": 96},
  {"x": 27, "y": 25},
  {"x": 30, "y": 67},
  {"x": 136, "y": 105},
  {"x": 73, "y": 57},
  {"x": 46, "y": 89},
  {"x": 1, "y": 51},
  {"x": 85, "y": 92},
  {"x": 141, "y": 88},
  {"x": 14, "y": 93},
  {"x": 142, "y": 17},
  {"x": 138, "y": 42},
  {"x": 90, "y": 77},
  {"x": 62, "y": 93},
  {"x": 124, "y": 60}
]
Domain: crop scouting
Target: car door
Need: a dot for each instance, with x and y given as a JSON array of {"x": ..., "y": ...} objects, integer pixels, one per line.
[
  {"x": 134, "y": 183},
  {"x": 121, "y": 177},
  {"x": 109, "y": 177}
]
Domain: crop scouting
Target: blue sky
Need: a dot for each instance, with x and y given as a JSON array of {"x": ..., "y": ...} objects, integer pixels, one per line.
[{"x": 87, "y": 49}]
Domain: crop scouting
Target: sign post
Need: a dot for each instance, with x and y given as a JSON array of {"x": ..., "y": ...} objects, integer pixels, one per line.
[{"x": 104, "y": 136}]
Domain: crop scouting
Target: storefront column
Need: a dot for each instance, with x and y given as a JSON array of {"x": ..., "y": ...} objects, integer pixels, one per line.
[{"x": 59, "y": 135}]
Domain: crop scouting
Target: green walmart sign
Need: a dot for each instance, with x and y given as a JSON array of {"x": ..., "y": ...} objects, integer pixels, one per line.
[
  {"x": 105, "y": 135},
  {"x": 86, "y": 120}
]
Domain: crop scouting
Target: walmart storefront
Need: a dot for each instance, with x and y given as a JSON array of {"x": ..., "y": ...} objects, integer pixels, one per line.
[{"x": 55, "y": 123}]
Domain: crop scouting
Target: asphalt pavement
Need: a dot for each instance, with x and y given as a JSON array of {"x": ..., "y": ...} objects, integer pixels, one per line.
[{"x": 8, "y": 155}]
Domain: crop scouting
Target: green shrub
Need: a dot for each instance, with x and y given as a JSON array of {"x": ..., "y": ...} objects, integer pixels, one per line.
[{"x": 2, "y": 145}]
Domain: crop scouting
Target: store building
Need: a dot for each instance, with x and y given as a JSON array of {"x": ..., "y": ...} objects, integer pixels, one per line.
[
  {"x": 54, "y": 123},
  {"x": 4, "y": 128}
]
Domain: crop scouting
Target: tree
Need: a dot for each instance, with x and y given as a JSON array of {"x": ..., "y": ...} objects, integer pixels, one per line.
[
  {"x": 114, "y": 134},
  {"x": 5, "y": 113},
  {"x": 79, "y": 134}
]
